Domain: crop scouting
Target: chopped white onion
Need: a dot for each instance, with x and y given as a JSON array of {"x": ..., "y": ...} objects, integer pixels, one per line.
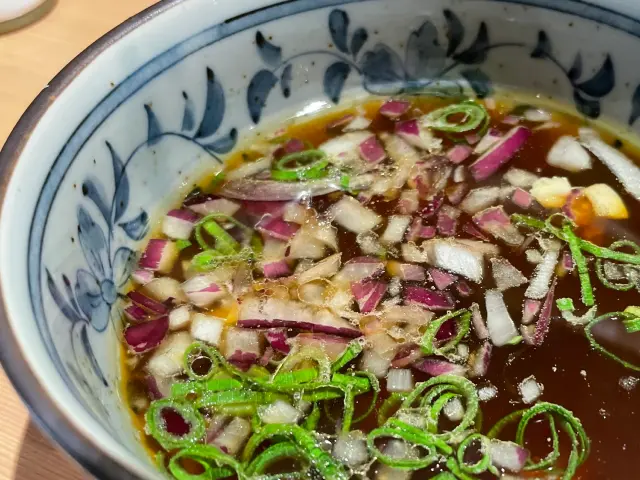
[
  {"x": 165, "y": 288},
  {"x": 323, "y": 269},
  {"x": 234, "y": 435},
  {"x": 358, "y": 123},
  {"x": 279, "y": 412},
  {"x": 350, "y": 214},
  {"x": 296, "y": 213},
  {"x": 249, "y": 169},
  {"x": 168, "y": 359},
  {"x": 369, "y": 244},
  {"x": 243, "y": 340},
  {"x": 551, "y": 192},
  {"x": 539, "y": 284},
  {"x": 480, "y": 198},
  {"x": 179, "y": 317},
  {"x": 398, "y": 449},
  {"x": 568, "y": 154},
  {"x": 520, "y": 178},
  {"x": 396, "y": 227},
  {"x": 399, "y": 380},
  {"x": 343, "y": 150},
  {"x": 304, "y": 245},
  {"x": 487, "y": 393},
  {"x": 530, "y": 390},
  {"x": 351, "y": 448},
  {"x": 505, "y": 275},
  {"x": 537, "y": 115},
  {"x": 454, "y": 410},
  {"x": 501, "y": 327},
  {"x": 606, "y": 202},
  {"x": 207, "y": 328},
  {"x": 458, "y": 258}
]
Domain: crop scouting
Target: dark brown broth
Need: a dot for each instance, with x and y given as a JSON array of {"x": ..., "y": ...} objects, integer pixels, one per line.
[{"x": 573, "y": 374}]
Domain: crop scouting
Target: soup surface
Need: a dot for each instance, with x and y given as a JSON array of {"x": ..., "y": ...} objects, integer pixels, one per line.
[{"x": 414, "y": 288}]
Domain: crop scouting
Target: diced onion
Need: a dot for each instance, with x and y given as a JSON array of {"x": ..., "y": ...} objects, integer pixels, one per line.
[
  {"x": 501, "y": 327},
  {"x": 351, "y": 448},
  {"x": 399, "y": 380},
  {"x": 530, "y": 390},
  {"x": 207, "y": 328},
  {"x": 279, "y": 412}
]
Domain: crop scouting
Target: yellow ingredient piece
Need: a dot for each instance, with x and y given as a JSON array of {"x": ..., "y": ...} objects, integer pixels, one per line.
[
  {"x": 606, "y": 202},
  {"x": 551, "y": 192}
]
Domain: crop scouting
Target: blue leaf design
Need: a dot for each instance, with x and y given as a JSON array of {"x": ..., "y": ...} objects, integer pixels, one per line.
[
  {"x": 154, "y": 131},
  {"x": 123, "y": 262},
  {"x": 477, "y": 52},
  {"x": 136, "y": 229},
  {"x": 423, "y": 56},
  {"x": 223, "y": 144},
  {"x": 359, "y": 38},
  {"x": 543, "y": 47},
  {"x": 270, "y": 54},
  {"x": 121, "y": 181},
  {"x": 259, "y": 88},
  {"x": 587, "y": 106},
  {"x": 64, "y": 306},
  {"x": 602, "y": 82},
  {"x": 334, "y": 78},
  {"x": 455, "y": 31},
  {"x": 214, "y": 108},
  {"x": 479, "y": 81},
  {"x": 93, "y": 243},
  {"x": 188, "y": 118},
  {"x": 97, "y": 405},
  {"x": 92, "y": 189},
  {"x": 285, "y": 80},
  {"x": 88, "y": 350},
  {"x": 635, "y": 106},
  {"x": 89, "y": 297},
  {"x": 576, "y": 69},
  {"x": 339, "y": 26},
  {"x": 70, "y": 294},
  {"x": 382, "y": 70}
]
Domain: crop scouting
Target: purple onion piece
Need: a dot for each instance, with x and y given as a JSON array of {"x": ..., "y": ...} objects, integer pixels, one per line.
[
  {"x": 276, "y": 227},
  {"x": 142, "y": 277},
  {"x": 147, "y": 336},
  {"x": 530, "y": 310},
  {"x": 456, "y": 193},
  {"x": 441, "y": 279},
  {"x": 499, "y": 154},
  {"x": 432, "y": 207},
  {"x": 394, "y": 108},
  {"x": 544, "y": 320},
  {"x": 277, "y": 338},
  {"x": 368, "y": 294},
  {"x": 267, "y": 356},
  {"x": 271, "y": 190},
  {"x": 147, "y": 303},
  {"x": 406, "y": 355},
  {"x": 135, "y": 313},
  {"x": 507, "y": 455},
  {"x": 463, "y": 288},
  {"x": 159, "y": 255},
  {"x": 277, "y": 269},
  {"x": 496, "y": 222},
  {"x": 447, "y": 223},
  {"x": 371, "y": 151},
  {"x": 522, "y": 198},
  {"x": 427, "y": 298},
  {"x": 459, "y": 153},
  {"x": 480, "y": 360},
  {"x": 242, "y": 360},
  {"x": 436, "y": 367},
  {"x": 470, "y": 229},
  {"x": 479, "y": 326}
]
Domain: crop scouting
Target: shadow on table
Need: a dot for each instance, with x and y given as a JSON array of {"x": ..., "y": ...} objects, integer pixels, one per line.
[
  {"x": 40, "y": 459},
  {"x": 27, "y": 19}
]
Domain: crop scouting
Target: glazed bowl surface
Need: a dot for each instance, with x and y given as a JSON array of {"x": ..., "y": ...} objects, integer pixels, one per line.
[{"x": 166, "y": 95}]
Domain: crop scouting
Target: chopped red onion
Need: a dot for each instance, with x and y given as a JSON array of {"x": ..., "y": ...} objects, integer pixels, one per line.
[
  {"x": 202, "y": 290},
  {"x": 479, "y": 199},
  {"x": 277, "y": 338},
  {"x": 148, "y": 335},
  {"x": 408, "y": 202},
  {"x": 348, "y": 213},
  {"x": 371, "y": 151},
  {"x": 340, "y": 122},
  {"x": 344, "y": 149},
  {"x": 179, "y": 317},
  {"x": 499, "y": 154},
  {"x": 459, "y": 153},
  {"x": 274, "y": 312},
  {"x": 351, "y": 448},
  {"x": 544, "y": 320},
  {"x": 530, "y": 310},
  {"x": 360, "y": 268},
  {"x": 573, "y": 199},
  {"x": 332, "y": 345},
  {"x": 567, "y": 261},
  {"x": 396, "y": 226},
  {"x": 530, "y": 390},
  {"x": 507, "y": 455},
  {"x": 406, "y": 271},
  {"x": 568, "y": 154},
  {"x": 539, "y": 284},
  {"x": 470, "y": 229},
  {"x": 441, "y": 279},
  {"x": 427, "y": 232},
  {"x": 501, "y": 327},
  {"x": 489, "y": 140},
  {"x": 276, "y": 227},
  {"x": 505, "y": 275},
  {"x": 472, "y": 138},
  {"x": 497, "y": 223},
  {"x": 456, "y": 193},
  {"x": 272, "y": 190},
  {"x": 432, "y": 207},
  {"x": 457, "y": 257},
  {"x": 168, "y": 359},
  {"x": 267, "y": 356},
  {"x": 135, "y": 314},
  {"x": 368, "y": 294},
  {"x": 142, "y": 277},
  {"x": 147, "y": 303},
  {"x": 208, "y": 204},
  {"x": 511, "y": 120},
  {"x": 259, "y": 209},
  {"x": 522, "y": 198},
  {"x": 422, "y": 138},
  {"x": 406, "y": 355},
  {"x": 427, "y": 298},
  {"x": 207, "y": 328},
  {"x": 478, "y": 323},
  {"x": 394, "y": 108},
  {"x": 436, "y": 367},
  {"x": 520, "y": 178},
  {"x": 277, "y": 269},
  {"x": 323, "y": 269},
  {"x": 165, "y": 289},
  {"x": 463, "y": 288},
  {"x": 479, "y": 365},
  {"x": 178, "y": 224},
  {"x": 399, "y": 380},
  {"x": 243, "y": 347},
  {"x": 234, "y": 436},
  {"x": 448, "y": 220},
  {"x": 159, "y": 256}
]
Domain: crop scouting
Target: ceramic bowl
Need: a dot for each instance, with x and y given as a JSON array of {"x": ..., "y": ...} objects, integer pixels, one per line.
[{"x": 167, "y": 94}]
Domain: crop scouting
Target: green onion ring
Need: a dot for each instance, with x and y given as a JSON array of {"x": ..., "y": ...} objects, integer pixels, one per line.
[
  {"x": 422, "y": 439},
  {"x": 600, "y": 348},
  {"x": 271, "y": 455},
  {"x": 156, "y": 424},
  {"x": 581, "y": 263},
  {"x": 351, "y": 352},
  {"x": 463, "y": 325},
  {"x": 481, "y": 465},
  {"x": 308, "y": 165},
  {"x": 392, "y": 401},
  {"x": 474, "y": 113},
  {"x": 204, "y": 455}
]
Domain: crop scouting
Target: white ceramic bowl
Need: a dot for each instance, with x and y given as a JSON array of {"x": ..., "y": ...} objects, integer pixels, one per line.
[{"x": 166, "y": 94}]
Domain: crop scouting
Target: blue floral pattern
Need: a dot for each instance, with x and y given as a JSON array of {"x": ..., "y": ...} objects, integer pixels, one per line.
[
  {"x": 427, "y": 65},
  {"x": 86, "y": 298}
]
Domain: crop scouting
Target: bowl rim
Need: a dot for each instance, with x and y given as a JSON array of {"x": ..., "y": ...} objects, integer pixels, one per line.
[{"x": 85, "y": 450}]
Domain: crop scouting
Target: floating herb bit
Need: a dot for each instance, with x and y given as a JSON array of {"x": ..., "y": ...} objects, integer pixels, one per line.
[
  {"x": 470, "y": 115},
  {"x": 305, "y": 165}
]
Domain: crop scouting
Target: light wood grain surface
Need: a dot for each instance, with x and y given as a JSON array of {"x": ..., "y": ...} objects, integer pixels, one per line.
[{"x": 29, "y": 58}]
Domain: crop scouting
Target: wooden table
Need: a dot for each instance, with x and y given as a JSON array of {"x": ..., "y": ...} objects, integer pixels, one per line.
[{"x": 29, "y": 58}]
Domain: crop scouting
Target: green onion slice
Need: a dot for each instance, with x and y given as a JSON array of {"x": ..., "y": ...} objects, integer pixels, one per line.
[
  {"x": 473, "y": 115},
  {"x": 463, "y": 323},
  {"x": 157, "y": 428},
  {"x": 205, "y": 455},
  {"x": 305, "y": 165},
  {"x": 594, "y": 343}
]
